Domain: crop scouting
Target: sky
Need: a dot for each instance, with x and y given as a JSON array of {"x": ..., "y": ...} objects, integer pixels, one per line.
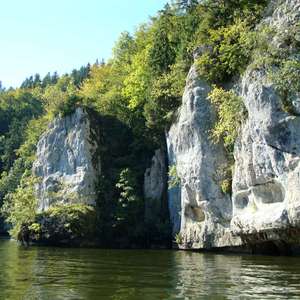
[{"x": 40, "y": 36}]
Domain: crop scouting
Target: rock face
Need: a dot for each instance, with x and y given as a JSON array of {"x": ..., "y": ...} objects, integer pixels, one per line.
[
  {"x": 266, "y": 183},
  {"x": 265, "y": 205},
  {"x": 155, "y": 184},
  {"x": 174, "y": 193},
  {"x": 66, "y": 162},
  {"x": 205, "y": 211}
]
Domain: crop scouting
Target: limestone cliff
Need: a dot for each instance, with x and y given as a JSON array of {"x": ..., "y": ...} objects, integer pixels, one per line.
[
  {"x": 66, "y": 164},
  {"x": 265, "y": 204},
  {"x": 266, "y": 184},
  {"x": 205, "y": 212},
  {"x": 155, "y": 184}
]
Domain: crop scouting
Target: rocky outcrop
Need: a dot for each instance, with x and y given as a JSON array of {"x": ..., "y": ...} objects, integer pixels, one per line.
[
  {"x": 66, "y": 162},
  {"x": 155, "y": 184},
  {"x": 266, "y": 182},
  {"x": 205, "y": 211},
  {"x": 265, "y": 204}
]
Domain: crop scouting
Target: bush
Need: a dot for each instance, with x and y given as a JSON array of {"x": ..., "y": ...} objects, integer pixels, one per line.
[
  {"x": 230, "y": 113},
  {"x": 179, "y": 238},
  {"x": 226, "y": 186},
  {"x": 287, "y": 83},
  {"x": 20, "y": 206},
  {"x": 129, "y": 202},
  {"x": 228, "y": 51},
  {"x": 174, "y": 179},
  {"x": 73, "y": 224}
]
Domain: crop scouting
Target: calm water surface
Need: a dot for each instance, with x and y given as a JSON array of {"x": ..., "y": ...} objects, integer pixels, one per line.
[{"x": 55, "y": 273}]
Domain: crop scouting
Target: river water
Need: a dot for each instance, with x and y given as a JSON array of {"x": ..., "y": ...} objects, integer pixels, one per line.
[{"x": 57, "y": 273}]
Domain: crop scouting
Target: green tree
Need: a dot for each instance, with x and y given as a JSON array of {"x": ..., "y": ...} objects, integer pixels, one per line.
[{"x": 19, "y": 207}]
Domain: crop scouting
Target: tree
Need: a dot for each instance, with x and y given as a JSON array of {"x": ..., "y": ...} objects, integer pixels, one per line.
[
  {"x": 20, "y": 206},
  {"x": 185, "y": 5},
  {"x": 54, "y": 78},
  {"x": 162, "y": 52},
  {"x": 37, "y": 80},
  {"x": 128, "y": 202},
  {"x": 46, "y": 80}
]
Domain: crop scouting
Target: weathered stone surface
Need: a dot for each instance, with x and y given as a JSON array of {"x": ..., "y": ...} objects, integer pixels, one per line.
[
  {"x": 204, "y": 210},
  {"x": 174, "y": 193},
  {"x": 266, "y": 183},
  {"x": 65, "y": 162},
  {"x": 155, "y": 185}
]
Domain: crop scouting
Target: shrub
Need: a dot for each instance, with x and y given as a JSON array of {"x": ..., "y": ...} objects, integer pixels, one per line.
[
  {"x": 20, "y": 206},
  {"x": 230, "y": 113},
  {"x": 223, "y": 175},
  {"x": 228, "y": 53},
  {"x": 174, "y": 179},
  {"x": 226, "y": 186},
  {"x": 72, "y": 224},
  {"x": 179, "y": 238},
  {"x": 129, "y": 201},
  {"x": 287, "y": 83}
]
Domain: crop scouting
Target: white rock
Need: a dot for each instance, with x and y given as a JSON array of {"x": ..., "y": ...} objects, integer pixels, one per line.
[
  {"x": 266, "y": 182},
  {"x": 65, "y": 162},
  {"x": 155, "y": 185},
  {"x": 204, "y": 210},
  {"x": 155, "y": 177}
]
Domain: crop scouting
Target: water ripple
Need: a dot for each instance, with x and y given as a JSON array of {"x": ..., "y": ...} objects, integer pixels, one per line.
[{"x": 54, "y": 273}]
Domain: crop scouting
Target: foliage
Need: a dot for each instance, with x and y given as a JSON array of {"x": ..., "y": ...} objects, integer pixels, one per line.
[
  {"x": 137, "y": 83},
  {"x": 287, "y": 82},
  {"x": 162, "y": 53},
  {"x": 227, "y": 53},
  {"x": 276, "y": 50},
  {"x": 164, "y": 99},
  {"x": 128, "y": 202},
  {"x": 60, "y": 98},
  {"x": 9, "y": 181},
  {"x": 33, "y": 131},
  {"x": 179, "y": 238},
  {"x": 226, "y": 186},
  {"x": 16, "y": 109},
  {"x": 74, "y": 223},
  {"x": 230, "y": 113},
  {"x": 20, "y": 206},
  {"x": 77, "y": 77},
  {"x": 226, "y": 31},
  {"x": 265, "y": 53},
  {"x": 174, "y": 179}
]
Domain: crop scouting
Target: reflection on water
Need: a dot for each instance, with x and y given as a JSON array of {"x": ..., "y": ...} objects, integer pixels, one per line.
[{"x": 54, "y": 273}]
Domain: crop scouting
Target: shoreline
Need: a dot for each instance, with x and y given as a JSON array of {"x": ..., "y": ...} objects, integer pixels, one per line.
[{"x": 239, "y": 250}]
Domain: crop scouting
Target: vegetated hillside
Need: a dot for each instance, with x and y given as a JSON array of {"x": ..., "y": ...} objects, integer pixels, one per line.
[{"x": 141, "y": 87}]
